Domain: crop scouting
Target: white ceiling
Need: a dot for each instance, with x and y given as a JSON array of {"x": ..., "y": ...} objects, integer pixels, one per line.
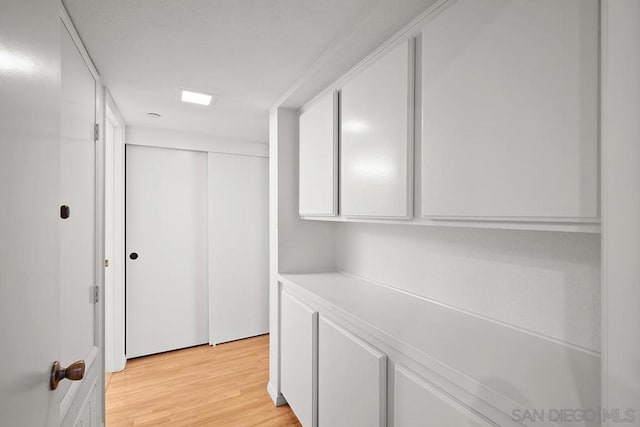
[{"x": 248, "y": 52}]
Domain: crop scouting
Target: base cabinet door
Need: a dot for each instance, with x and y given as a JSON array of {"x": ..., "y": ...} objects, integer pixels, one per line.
[
  {"x": 298, "y": 357},
  {"x": 352, "y": 380},
  {"x": 418, "y": 404}
]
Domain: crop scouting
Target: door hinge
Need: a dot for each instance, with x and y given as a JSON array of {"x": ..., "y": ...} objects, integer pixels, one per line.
[
  {"x": 96, "y": 132},
  {"x": 94, "y": 294}
]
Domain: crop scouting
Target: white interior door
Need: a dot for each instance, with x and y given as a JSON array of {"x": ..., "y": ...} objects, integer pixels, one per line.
[
  {"x": 29, "y": 187},
  {"x": 166, "y": 226},
  {"x": 79, "y": 254}
]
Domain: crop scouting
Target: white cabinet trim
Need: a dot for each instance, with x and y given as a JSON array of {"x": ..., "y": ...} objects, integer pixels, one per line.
[{"x": 586, "y": 227}]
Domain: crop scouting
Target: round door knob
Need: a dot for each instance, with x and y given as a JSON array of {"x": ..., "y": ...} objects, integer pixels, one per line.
[
  {"x": 133, "y": 255},
  {"x": 73, "y": 372}
]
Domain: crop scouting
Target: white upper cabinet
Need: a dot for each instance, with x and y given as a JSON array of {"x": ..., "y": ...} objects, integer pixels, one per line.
[
  {"x": 377, "y": 138},
  {"x": 318, "y": 158},
  {"x": 510, "y": 111}
]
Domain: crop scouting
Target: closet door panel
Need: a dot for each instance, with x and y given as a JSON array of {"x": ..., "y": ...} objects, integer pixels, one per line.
[
  {"x": 238, "y": 246},
  {"x": 377, "y": 138},
  {"x": 510, "y": 110}
]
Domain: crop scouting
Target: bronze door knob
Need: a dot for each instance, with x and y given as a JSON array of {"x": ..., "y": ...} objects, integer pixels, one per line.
[{"x": 73, "y": 372}]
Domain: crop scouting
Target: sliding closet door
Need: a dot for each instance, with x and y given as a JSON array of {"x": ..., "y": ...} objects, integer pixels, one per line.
[
  {"x": 238, "y": 246},
  {"x": 166, "y": 295}
]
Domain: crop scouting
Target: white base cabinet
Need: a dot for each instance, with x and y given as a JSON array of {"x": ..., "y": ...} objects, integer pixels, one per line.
[
  {"x": 298, "y": 357},
  {"x": 352, "y": 379},
  {"x": 418, "y": 404},
  {"x": 356, "y": 353}
]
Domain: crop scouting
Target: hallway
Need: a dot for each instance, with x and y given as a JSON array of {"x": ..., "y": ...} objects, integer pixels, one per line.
[{"x": 206, "y": 386}]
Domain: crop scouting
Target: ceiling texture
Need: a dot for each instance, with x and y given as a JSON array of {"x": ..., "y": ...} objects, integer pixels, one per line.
[{"x": 252, "y": 54}]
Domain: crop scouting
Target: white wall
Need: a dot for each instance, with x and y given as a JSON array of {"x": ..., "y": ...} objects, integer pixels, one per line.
[
  {"x": 545, "y": 282},
  {"x": 193, "y": 141},
  {"x": 621, "y": 205},
  {"x": 302, "y": 245},
  {"x": 295, "y": 245}
]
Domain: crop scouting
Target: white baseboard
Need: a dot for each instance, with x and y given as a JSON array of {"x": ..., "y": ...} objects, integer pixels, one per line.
[{"x": 277, "y": 398}]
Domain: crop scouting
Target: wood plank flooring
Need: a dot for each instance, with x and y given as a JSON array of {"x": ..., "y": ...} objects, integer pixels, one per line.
[
  {"x": 200, "y": 386},
  {"x": 107, "y": 380}
]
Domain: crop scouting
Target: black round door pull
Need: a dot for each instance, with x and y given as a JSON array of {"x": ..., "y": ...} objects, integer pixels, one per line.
[
  {"x": 133, "y": 255},
  {"x": 65, "y": 211}
]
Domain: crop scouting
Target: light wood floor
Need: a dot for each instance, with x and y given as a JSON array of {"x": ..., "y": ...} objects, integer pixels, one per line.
[{"x": 224, "y": 385}]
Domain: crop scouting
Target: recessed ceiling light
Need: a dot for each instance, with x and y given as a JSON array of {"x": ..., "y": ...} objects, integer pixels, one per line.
[
  {"x": 195, "y": 97},
  {"x": 154, "y": 115}
]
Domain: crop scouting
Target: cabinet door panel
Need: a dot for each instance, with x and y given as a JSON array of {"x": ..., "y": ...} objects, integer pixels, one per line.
[
  {"x": 510, "y": 110},
  {"x": 318, "y": 175},
  {"x": 418, "y": 404},
  {"x": 377, "y": 138},
  {"x": 298, "y": 357},
  {"x": 351, "y": 380}
]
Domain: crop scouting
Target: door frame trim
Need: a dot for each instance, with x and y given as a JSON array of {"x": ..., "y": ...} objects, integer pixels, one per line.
[
  {"x": 97, "y": 352},
  {"x": 77, "y": 40},
  {"x": 115, "y": 358}
]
